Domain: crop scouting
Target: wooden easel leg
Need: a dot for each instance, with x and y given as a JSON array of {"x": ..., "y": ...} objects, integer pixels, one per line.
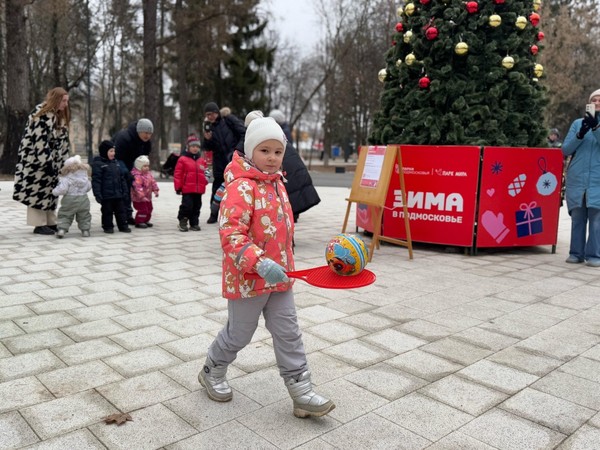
[{"x": 346, "y": 218}]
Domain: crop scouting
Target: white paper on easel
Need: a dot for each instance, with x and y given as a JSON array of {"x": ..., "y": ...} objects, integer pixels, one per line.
[{"x": 373, "y": 166}]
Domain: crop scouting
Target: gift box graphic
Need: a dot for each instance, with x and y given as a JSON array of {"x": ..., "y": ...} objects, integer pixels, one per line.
[{"x": 529, "y": 219}]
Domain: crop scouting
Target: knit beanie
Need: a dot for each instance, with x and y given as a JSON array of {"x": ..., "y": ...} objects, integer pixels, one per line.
[
  {"x": 105, "y": 146},
  {"x": 260, "y": 130},
  {"x": 211, "y": 107},
  {"x": 144, "y": 126},
  {"x": 252, "y": 115},
  {"x": 192, "y": 140},
  {"x": 141, "y": 161},
  {"x": 593, "y": 94},
  {"x": 277, "y": 115}
]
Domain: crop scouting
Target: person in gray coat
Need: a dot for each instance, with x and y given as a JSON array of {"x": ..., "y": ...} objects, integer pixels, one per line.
[{"x": 582, "y": 192}]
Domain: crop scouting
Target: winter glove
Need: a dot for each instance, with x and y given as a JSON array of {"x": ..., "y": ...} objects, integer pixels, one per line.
[
  {"x": 98, "y": 200},
  {"x": 583, "y": 130},
  {"x": 272, "y": 272},
  {"x": 591, "y": 121}
]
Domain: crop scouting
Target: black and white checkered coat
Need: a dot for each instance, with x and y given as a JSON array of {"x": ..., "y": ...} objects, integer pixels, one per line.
[{"x": 43, "y": 151}]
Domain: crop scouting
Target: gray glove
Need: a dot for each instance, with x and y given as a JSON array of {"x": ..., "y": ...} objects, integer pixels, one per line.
[{"x": 272, "y": 272}]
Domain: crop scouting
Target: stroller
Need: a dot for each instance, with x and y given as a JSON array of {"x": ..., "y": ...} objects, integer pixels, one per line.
[{"x": 168, "y": 168}]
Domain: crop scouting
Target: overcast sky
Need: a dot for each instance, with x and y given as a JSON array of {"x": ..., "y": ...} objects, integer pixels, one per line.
[{"x": 295, "y": 20}]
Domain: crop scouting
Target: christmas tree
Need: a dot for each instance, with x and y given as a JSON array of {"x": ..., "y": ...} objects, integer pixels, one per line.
[{"x": 463, "y": 73}]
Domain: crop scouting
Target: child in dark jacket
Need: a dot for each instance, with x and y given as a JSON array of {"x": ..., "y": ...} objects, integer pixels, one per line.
[
  {"x": 190, "y": 182},
  {"x": 110, "y": 187}
]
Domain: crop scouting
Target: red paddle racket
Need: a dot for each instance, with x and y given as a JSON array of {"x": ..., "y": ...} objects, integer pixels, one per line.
[{"x": 324, "y": 277}]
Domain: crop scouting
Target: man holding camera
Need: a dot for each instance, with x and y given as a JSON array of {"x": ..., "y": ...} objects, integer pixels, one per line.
[{"x": 222, "y": 136}]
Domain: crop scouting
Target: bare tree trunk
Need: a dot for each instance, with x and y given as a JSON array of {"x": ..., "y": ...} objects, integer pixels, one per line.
[
  {"x": 17, "y": 79},
  {"x": 182, "y": 84},
  {"x": 151, "y": 77}
]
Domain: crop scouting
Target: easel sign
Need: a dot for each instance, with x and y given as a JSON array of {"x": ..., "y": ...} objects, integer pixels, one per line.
[{"x": 371, "y": 182}]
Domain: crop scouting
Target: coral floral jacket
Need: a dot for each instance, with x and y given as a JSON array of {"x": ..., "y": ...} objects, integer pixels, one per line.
[{"x": 255, "y": 221}]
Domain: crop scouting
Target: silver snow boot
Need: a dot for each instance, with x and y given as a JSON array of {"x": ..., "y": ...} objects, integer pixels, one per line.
[
  {"x": 214, "y": 380},
  {"x": 306, "y": 401}
]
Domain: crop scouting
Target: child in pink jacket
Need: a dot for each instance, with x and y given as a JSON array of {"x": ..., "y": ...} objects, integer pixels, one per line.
[
  {"x": 142, "y": 188},
  {"x": 256, "y": 225}
]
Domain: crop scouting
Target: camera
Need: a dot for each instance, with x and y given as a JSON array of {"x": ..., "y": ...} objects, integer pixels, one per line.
[{"x": 207, "y": 126}]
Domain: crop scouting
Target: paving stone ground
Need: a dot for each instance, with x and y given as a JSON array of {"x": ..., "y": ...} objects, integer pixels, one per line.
[{"x": 445, "y": 351}]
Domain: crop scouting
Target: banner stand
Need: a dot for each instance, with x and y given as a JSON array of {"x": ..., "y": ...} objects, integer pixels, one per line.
[{"x": 370, "y": 186}]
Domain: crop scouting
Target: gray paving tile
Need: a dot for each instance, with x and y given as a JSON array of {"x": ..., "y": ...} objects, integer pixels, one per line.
[
  {"x": 229, "y": 435},
  {"x": 319, "y": 314},
  {"x": 202, "y": 413},
  {"x": 552, "y": 412},
  {"x": 80, "y": 440},
  {"x": 595, "y": 421},
  {"x": 511, "y": 327},
  {"x": 46, "y": 322},
  {"x": 51, "y": 306},
  {"x": 560, "y": 342},
  {"x": 36, "y": 341},
  {"x": 456, "y": 351},
  {"x": 374, "y": 432},
  {"x": 585, "y": 438},
  {"x": 369, "y": 321},
  {"x": 503, "y": 430},
  {"x": 455, "y": 322},
  {"x": 424, "y": 365},
  {"x": 21, "y": 366},
  {"x": 22, "y": 392},
  {"x": 357, "y": 353},
  {"x": 584, "y": 368},
  {"x": 385, "y": 381},
  {"x": 73, "y": 379},
  {"x": 335, "y": 331},
  {"x": 67, "y": 413},
  {"x": 4, "y": 353},
  {"x": 191, "y": 326},
  {"x": 141, "y": 361},
  {"x": 497, "y": 376},
  {"x": 394, "y": 341},
  {"x": 98, "y": 298},
  {"x": 255, "y": 356},
  {"x": 14, "y": 312},
  {"x": 462, "y": 394},
  {"x": 424, "y": 416},
  {"x": 193, "y": 347},
  {"x": 20, "y": 299},
  {"x": 8, "y": 329},
  {"x": 87, "y": 351},
  {"x": 98, "y": 312},
  {"x": 141, "y": 304},
  {"x": 276, "y": 424},
  {"x": 143, "y": 433},
  {"x": 141, "y": 391},
  {"x": 93, "y": 330},
  {"x": 350, "y": 399},
  {"x": 143, "y": 337},
  {"x": 458, "y": 440},
  {"x": 15, "y": 432},
  {"x": 569, "y": 387},
  {"x": 142, "y": 319},
  {"x": 264, "y": 387},
  {"x": 185, "y": 310},
  {"x": 485, "y": 338},
  {"x": 425, "y": 330},
  {"x": 312, "y": 343},
  {"x": 525, "y": 361},
  {"x": 324, "y": 368}
]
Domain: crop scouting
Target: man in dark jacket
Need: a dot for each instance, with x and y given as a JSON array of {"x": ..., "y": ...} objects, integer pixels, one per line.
[
  {"x": 130, "y": 143},
  {"x": 225, "y": 136}
]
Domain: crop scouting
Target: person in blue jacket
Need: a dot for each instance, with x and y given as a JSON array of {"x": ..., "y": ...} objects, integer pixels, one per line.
[{"x": 582, "y": 192}]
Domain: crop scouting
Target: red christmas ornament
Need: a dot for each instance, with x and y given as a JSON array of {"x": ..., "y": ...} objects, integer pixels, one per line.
[
  {"x": 399, "y": 27},
  {"x": 499, "y": 2},
  {"x": 534, "y": 49},
  {"x": 534, "y": 18},
  {"x": 540, "y": 36},
  {"x": 431, "y": 33},
  {"x": 424, "y": 82},
  {"x": 394, "y": 43},
  {"x": 424, "y": 2},
  {"x": 472, "y": 7}
]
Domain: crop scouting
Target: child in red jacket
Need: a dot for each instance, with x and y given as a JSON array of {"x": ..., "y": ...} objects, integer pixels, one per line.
[{"x": 190, "y": 182}]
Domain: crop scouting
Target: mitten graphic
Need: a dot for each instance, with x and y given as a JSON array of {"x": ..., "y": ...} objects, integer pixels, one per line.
[{"x": 494, "y": 225}]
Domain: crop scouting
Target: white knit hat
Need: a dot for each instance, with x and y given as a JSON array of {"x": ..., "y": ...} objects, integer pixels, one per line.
[
  {"x": 277, "y": 115},
  {"x": 260, "y": 130},
  {"x": 141, "y": 161},
  {"x": 593, "y": 94},
  {"x": 144, "y": 126},
  {"x": 253, "y": 115},
  {"x": 73, "y": 160}
]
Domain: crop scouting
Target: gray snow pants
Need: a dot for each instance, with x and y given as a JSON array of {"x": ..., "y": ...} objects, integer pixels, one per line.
[{"x": 74, "y": 207}]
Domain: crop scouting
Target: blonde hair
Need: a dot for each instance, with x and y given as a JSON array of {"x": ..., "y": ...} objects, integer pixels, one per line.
[{"x": 51, "y": 104}]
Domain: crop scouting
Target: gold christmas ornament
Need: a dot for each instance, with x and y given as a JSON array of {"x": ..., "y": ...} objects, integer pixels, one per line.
[
  {"x": 407, "y": 36},
  {"x": 521, "y": 22},
  {"x": 461, "y": 48},
  {"x": 410, "y": 59},
  {"x": 508, "y": 62},
  {"x": 398, "y": 62},
  {"x": 399, "y": 12},
  {"x": 538, "y": 70},
  {"x": 382, "y": 74},
  {"x": 495, "y": 20},
  {"x": 537, "y": 4},
  {"x": 409, "y": 9}
]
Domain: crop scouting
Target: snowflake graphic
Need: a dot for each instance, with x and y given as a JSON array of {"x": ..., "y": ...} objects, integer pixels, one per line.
[
  {"x": 547, "y": 184},
  {"x": 497, "y": 168}
]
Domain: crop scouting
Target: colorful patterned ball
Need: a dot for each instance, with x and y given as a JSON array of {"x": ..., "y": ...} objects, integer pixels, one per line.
[{"x": 346, "y": 254}]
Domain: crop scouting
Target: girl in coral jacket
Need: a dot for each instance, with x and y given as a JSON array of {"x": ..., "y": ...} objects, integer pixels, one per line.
[
  {"x": 256, "y": 225},
  {"x": 190, "y": 182},
  {"x": 142, "y": 188}
]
